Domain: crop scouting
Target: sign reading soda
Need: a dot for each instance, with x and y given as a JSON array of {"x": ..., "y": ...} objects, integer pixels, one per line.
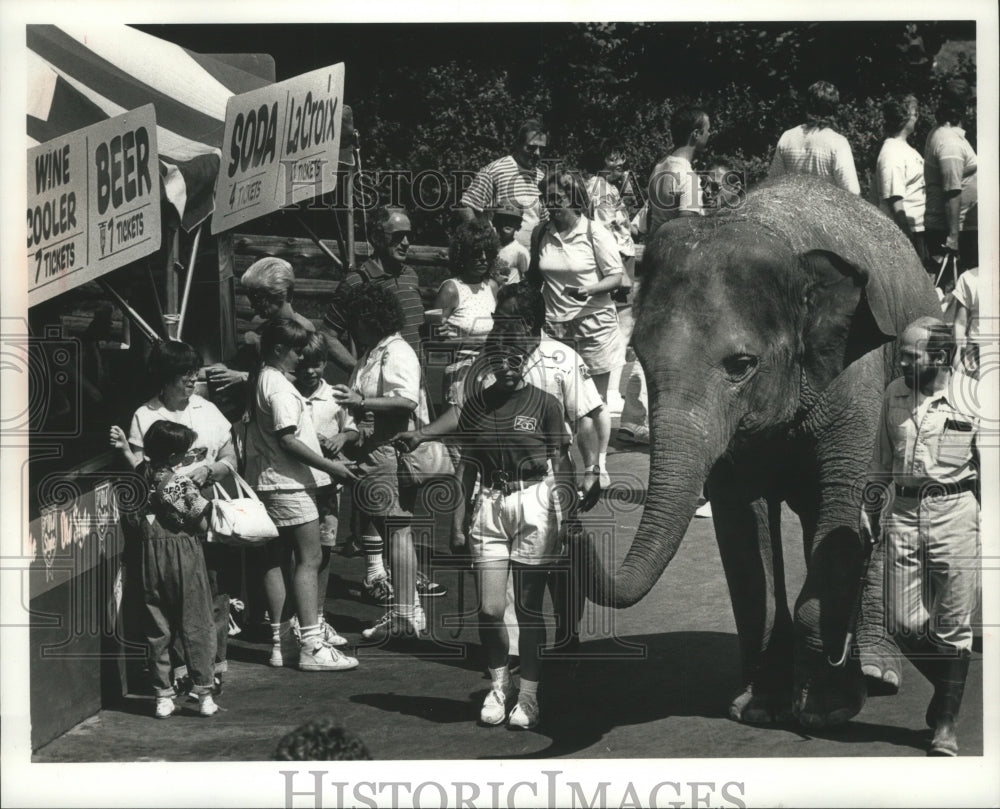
[
  {"x": 93, "y": 202},
  {"x": 281, "y": 146}
]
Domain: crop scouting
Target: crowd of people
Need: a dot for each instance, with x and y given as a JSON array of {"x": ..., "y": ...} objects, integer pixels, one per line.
[{"x": 541, "y": 262}]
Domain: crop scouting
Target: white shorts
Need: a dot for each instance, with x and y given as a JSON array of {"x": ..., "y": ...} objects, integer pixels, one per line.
[{"x": 522, "y": 526}]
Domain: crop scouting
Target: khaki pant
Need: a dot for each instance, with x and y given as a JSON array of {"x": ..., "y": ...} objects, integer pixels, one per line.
[{"x": 933, "y": 561}]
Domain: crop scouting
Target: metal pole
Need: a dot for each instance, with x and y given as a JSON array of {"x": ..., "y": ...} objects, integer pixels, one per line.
[
  {"x": 326, "y": 250},
  {"x": 349, "y": 204},
  {"x": 187, "y": 282},
  {"x": 130, "y": 312}
]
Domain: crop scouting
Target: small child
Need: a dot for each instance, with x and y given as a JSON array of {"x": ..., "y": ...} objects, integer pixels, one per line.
[
  {"x": 507, "y": 222},
  {"x": 335, "y": 429},
  {"x": 174, "y": 578}
]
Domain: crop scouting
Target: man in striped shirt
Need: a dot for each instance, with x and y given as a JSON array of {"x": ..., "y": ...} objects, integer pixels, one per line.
[
  {"x": 390, "y": 235},
  {"x": 814, "y": 147},
  {"x": 511, "y": 181}
]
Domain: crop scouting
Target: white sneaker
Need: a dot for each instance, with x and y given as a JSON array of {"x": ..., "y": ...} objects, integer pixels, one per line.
[
  {"x": 285, "y": 652},
  {"x": 494, "y": 710},
  {"x": 329, "y": 634},
  {"x": 206, "y": 705},
  {"x": 633, "y": 434},
  {"x": 704, "y": 510},
  {"x": 525, "y": 715},
  {"x": 321, "y": 656},
  {"x": 165, "y": 707},
  {"x": 391, "y": 624}
]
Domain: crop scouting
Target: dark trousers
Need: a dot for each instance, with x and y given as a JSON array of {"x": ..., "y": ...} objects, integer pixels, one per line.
[{"x": 178, "y": 607}]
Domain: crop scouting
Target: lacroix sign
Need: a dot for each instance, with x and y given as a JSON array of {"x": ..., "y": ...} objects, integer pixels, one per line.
[
  {"x": 93, "y": 202},
  {"x": 281, "y": 146}
]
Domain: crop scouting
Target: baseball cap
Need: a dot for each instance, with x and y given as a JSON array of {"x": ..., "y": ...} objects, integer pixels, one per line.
[{"x": 509, "y": 210}]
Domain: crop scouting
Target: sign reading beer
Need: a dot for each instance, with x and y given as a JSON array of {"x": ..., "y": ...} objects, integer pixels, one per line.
[
  {"x": 93, "y": 202},
  {"x": 281, "y": 146}
]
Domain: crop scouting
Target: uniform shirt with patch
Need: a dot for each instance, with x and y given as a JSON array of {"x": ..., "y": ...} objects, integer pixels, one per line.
[
  {"x": 512, "y": 432},
  {"x": 555, "y": 368},
  {"x": 924, "y": 439}
]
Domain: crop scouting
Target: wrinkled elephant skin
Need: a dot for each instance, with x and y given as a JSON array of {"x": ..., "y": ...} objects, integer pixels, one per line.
[{"x": 768, "y": 333}]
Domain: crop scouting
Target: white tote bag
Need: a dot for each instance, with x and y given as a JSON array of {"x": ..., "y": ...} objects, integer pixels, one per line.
[{"x": 241, "y": 521}]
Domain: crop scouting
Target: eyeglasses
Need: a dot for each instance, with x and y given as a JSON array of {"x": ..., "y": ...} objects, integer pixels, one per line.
[{"x": 512, "y": 361}]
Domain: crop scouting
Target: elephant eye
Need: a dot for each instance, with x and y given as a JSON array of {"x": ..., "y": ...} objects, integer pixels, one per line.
[{"x": 739, "y": 366}]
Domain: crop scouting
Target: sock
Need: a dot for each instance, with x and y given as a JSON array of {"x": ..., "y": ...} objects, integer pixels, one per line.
[
  {"x": 279, "y": 630},
  {"x": 602, "y": 461},
  {"x": 372, "y": 546},
  {"x": 529, "y": 688},
  {"x": 500, "y": 677},
  {"x": 310, "y": 633}
]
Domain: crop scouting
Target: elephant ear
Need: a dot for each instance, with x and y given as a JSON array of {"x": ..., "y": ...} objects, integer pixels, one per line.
[{"x": 846, "y": 317}]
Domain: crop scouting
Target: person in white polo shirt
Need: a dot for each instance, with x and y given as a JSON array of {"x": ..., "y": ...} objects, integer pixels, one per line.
[{"x": 814, "y": 147}]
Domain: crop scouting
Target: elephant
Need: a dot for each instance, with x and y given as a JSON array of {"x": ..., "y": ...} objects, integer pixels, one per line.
[{"x": 767, "y": 333}]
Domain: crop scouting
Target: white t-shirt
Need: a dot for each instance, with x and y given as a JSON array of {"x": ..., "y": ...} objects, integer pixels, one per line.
[
  {"x": 899, "y": 172},
  {"x": 967, "y": 294},
  {"x": 278, "y": 406},
  {"x": 817, "y": 151},
  {"x": 581, "y": 257},
  {"x": 200, "y": 415},
  {"x": 517, "y": 257}
]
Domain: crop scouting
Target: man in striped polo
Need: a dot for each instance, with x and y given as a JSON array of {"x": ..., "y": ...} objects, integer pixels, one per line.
[
  {"x": 390, "y": 237},
  {"x": 511, "y": 181}
]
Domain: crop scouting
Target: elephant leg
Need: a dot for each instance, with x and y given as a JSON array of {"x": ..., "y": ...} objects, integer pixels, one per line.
[
  {"x": 881, "y": 658},
  {"x": 829, "y": 687},
  {"x": 749, "y": 537}
]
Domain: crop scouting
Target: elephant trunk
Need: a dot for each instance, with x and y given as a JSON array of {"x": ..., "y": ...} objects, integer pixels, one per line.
[{"x": 676, "y": 481}]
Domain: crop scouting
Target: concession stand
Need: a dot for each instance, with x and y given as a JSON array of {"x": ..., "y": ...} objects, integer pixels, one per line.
[{"x": 142, "y": 156}]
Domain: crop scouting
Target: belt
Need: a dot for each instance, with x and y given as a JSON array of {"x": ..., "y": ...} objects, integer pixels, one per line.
[
  {"x": 500, "y": 483},
  {"x": 933, "y": 489}
]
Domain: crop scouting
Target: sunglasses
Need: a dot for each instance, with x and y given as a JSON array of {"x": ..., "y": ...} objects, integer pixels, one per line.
[{"x": 512, "y": 361}]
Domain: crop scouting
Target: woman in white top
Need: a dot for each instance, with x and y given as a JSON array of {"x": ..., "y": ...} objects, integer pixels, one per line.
[
  {"x": 899, "y": 172},
  {"x": 468, "y": 299},
  {"x": 579, "y": 265},
  {"x": 285, "y": 464},
  {"x": 383, "y": 393}
]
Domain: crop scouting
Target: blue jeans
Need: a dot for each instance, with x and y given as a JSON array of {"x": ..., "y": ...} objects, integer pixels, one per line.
[{"x": 178, "y": 604}]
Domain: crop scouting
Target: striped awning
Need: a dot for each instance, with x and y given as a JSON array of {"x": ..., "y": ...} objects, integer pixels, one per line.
[{"x": 79, "y": 75}]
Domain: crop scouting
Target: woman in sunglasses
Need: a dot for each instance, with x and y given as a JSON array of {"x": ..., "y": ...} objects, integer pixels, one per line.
[{"x": 513, "y": 435}]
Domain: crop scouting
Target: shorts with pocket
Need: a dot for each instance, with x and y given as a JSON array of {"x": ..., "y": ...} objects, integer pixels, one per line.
[
  {"x": 522, "y": 526},
  {"x": 596, "y": 337},
  {"x": 289, "y": 507}
]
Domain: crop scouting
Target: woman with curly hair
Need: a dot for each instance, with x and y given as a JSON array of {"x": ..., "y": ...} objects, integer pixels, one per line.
[
  {"x": 383, "y": 393},
  {"x": 468, "y": 299}
]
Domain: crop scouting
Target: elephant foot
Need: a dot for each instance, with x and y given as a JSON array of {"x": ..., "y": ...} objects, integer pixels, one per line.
[
  {"x": 766, "y": 708},
  {"x": 880, "y": 683},
  {"x": 881, "y": 665},
  {"x": 827, "y": 697}
]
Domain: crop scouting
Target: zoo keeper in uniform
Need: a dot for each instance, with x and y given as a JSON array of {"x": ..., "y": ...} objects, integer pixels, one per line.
[{"x": 927, "y": 447}]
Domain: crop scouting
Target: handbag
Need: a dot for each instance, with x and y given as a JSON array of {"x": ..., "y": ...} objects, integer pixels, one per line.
[
  {"x": 429, "y": 460},
  {"x": 242, "y": 521}
]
